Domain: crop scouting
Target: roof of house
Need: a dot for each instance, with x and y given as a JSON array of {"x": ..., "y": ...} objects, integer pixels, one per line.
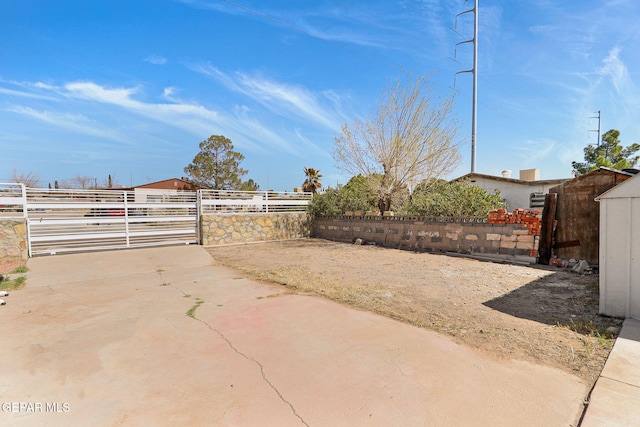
[
  {"x": 473, "y": 175},
  {"x": 170, "y": 184}
]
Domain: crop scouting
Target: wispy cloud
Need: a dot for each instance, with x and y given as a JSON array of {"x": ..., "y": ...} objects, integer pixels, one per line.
[
  {"x": 374, "y": 26},
  {"x": 26, "y": 90},
  {"x": 169, "y": 92},
  {"x": 156, "y": 60},
  {"x": 615, "y": 69},
  {"x": 535, "y": 150},
  {"x": 75, "y": 122},
  {"x": 92, "y": 99},
  {"x": 216, "y": 6},
  {"x": 21, "y": 94},
  {"x": 286, "y": 100}
]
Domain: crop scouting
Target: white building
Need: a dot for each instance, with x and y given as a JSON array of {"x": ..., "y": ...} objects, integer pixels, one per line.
[{"x": 526, "y": 193}]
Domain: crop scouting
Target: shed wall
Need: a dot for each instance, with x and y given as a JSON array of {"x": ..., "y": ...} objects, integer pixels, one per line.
[{"x": 620, "y": 257}]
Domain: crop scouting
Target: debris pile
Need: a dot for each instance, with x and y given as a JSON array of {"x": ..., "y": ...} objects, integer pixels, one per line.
[
  {"x": 577, "y": 266},
  {"x": 531, "y": 219}
]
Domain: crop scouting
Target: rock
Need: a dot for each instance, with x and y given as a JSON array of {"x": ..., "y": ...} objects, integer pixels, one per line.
[
  {"x": 4, "y": 294},
  {"x": 358, "y": 242},
  {"x": 581, "y": 267},
  {"x": 2, "y": 302}
]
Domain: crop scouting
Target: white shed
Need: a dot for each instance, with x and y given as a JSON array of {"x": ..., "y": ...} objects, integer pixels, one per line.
[{"x": 620, "y": 250}]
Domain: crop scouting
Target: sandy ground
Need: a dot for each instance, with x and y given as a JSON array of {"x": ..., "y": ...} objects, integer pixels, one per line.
[{"x": 541, "y": 315}]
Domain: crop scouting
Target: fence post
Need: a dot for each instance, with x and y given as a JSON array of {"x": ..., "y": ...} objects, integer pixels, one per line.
[
  {"x": 198, "y": 215},
  {"x": 546, "y": 230},
  {"x": 126, "y": 217},
  {"x": 23, "y": 191},
  {"x": 26, "y": 218},
  {"x": 266, "y": 199}
]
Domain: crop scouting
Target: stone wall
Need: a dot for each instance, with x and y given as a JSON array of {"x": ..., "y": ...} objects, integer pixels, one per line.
[
  {"x": 13, "y": 239},
  {"x": 505, "y": 241},
  {"x": 226, "y": 229}
]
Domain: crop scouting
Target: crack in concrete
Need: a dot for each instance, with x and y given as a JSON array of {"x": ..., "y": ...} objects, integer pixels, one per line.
[
  {"x": 264, "y": 376},
  {"x": 171, "y": 285}
]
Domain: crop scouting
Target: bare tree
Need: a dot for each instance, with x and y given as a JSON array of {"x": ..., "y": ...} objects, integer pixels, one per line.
[
  {"x": 411, "y": 138},
  {"x": 82, "y": 182},
  {"x": 28, "y": 179}
]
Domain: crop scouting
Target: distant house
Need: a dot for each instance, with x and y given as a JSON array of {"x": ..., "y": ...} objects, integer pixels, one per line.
[
  {"x": 160, "y": 191},
  {"x": 170, "y": 184},
  {"x": 526, "y": 193}
]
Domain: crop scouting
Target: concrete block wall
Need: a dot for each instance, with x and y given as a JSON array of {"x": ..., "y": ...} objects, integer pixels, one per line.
[
  {"x": 504, "y": 241},
  {"x": 13, "y": 239},
  {"x": 227, "y": 229}
]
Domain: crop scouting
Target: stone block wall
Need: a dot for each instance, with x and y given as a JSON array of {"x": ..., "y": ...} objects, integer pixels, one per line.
[
  {"x": 13, "y": 239},
  {"x": 226, "y": 229},
  {"x": 505, "y": 241}
]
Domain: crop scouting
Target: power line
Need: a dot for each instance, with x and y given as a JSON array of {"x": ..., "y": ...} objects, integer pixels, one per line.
[
  {"x": 474, "y": 71},
  {"x": 482, "y": 77},
  {"x": 597, "y": 130},
  {"x": 380, "y": 61}
]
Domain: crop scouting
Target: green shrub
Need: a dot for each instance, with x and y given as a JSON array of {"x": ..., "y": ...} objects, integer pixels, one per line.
[
  {"x": 354, "y": 196},
  {"x": 457, "y": 199}
]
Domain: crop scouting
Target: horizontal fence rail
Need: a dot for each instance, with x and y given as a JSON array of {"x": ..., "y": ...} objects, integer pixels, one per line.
[
  {"x": 377, "y": 217},
  {"x": 12, "y": 200},
  {"x": 71, "y": 220},
  {"x": 221, "y": 201},
  {"x": 75, "y": 220}
]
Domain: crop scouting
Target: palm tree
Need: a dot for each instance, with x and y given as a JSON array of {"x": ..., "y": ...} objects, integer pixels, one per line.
[{"x": 312, "y": 182}]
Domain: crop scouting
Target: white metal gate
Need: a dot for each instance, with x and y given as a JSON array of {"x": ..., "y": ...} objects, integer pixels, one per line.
[{"x": 79, "y": 220}]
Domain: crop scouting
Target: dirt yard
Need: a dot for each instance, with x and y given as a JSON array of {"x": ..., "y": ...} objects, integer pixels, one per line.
[
  {"x": 542, "y": 315},
  {"x": 8, "y": 266}
]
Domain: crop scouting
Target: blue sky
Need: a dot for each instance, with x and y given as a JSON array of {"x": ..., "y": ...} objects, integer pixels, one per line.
[{"x": 130, "y": 87}]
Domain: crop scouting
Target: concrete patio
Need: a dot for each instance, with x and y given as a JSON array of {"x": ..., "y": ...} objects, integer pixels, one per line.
[{"x": 104, "y": 338}]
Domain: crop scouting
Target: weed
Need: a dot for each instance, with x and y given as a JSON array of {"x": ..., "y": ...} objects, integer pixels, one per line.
[
  {"x": 12, "y": 284},
  {"x": 165, "y": 284},
  {"x": 588, "y": 347},
  {"x": 21, "y": 269},
  {"x": 192, "y": 310},
  {"x": 186, "y": 296}
]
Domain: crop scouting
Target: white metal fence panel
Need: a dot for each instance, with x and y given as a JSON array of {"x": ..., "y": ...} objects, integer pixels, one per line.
[
  {"x": 67, "y": 220},
  {"x": 79, "y": 220},
  {"x": 12, "y": 200},
  {"x": 221, "y": 201}
]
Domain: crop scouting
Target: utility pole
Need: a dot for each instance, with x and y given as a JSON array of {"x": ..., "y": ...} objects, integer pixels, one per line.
[
  {"x": 474, "y": 71},
  {"x": 598, "y": 130}
]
